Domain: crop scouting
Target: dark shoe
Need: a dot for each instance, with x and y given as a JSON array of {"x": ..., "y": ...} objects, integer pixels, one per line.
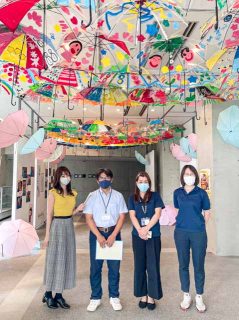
[
  {"x": 50, "y": 302},
  {"x": 62, "y": 303},
  {"x": 143, "y": 304},
  {"x": 151, "y": 306}
]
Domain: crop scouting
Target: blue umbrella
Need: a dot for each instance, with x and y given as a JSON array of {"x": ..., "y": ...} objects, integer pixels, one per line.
[
  {"x": 34, "y": 142},
  {"x": 228, "y": 125},
  {"x": 185, "y": 146}
]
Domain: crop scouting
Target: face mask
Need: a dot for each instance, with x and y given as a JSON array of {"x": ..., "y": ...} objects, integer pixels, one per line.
[
  {"x": 189, "y": 180},
  {"x": 105, "y": 184},
  {"x": 143, "y": 187},
  {"x": 65, "y": 180}
]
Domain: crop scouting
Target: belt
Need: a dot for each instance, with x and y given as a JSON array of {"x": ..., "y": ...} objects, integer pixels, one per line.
[
  {"x": 106, "y": 230},
  {"x": 62, "y": 217}
]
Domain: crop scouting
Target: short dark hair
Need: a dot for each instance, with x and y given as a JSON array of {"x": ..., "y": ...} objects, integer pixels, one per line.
[
  {"x": 106, "y": 171},
  {"x": 191, "y": 168}
]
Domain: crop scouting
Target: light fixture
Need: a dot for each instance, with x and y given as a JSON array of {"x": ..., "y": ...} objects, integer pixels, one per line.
[
  {"x": 85, "y": 109},
  {"x": 152, "y": 110}
]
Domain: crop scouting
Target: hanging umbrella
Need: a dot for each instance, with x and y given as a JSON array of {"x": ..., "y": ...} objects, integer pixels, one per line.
[
  {"x": 228, "y": 125},
  {"x": 193, "y": 141},
  {"x": 13, "y": 127},
  {"x": 46, "y": 149},
  {"x": 168, "y": 216},
  {"x": 56, "y": 154},
  {"x": 17, "y": 238},
  {"x": 140, "y": 158},
  {"x": 96, "y": 127},
  {"x": 34, "y": 142},
  {"x": 185, "y": 146},
  {"x": 61, "y": 125},
  {"x": 62, "y": 156},
  {"x": 178, "y": 153}
]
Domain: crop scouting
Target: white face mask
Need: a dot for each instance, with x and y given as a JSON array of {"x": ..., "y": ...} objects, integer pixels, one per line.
[
  {"x": 189, "y": 180},
  {"x": 65, "y": 180}
]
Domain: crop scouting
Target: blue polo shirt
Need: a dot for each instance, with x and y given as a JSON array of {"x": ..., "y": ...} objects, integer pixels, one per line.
[
  {"x": 154, "y": 202},
  {"x": 191, "y": 205}
]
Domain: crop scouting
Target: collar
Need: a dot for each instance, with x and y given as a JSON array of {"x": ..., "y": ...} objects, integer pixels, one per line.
[
  {"x": 195, "y": 189},
  {"x": 101, "y": 191}
]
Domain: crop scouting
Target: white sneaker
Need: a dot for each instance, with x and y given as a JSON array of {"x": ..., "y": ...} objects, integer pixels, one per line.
[
  {"x": 200, "y": 304},
  {"x": 93, "y": 305},
  {"x": 187, "y": 300},
  {"x": 115, "y": 302}
]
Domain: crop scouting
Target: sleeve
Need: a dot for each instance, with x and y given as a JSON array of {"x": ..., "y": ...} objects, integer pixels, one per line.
[
  {"x": 205, "y": 201},
  {"x": 131, "y": 204},
  {"x": 75, "y": 193},
  {"x": 122, "y": 205},
  {"x": 175, "y": 199},
  {"x": 158, "y": 201},
  {"x": 89, "y": 205}
]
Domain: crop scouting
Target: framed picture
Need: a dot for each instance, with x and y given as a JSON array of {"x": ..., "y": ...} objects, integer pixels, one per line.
[
  {"x": 24, "y": 187},
  {"x": 45, "y": 194},
  {"x": 19, "y": 186},
  {"x": 49, "y": 171},
  {"x": 204, "y": 180},
  {"x": 93, "y": 175},
  {"x": 82, "y": 175},
  {"x": 28, "y": 196},
  {"x": 19, "y": 202},
  {"x": 32, "y": 172},
  {"x": 76, "y": 176},
  {"x": 24, "y": 172},
  {"x": 46, "y": 172},
  {"x": 28, "y": 180}
]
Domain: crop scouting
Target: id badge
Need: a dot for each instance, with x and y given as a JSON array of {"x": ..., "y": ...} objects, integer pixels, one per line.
[
  {"x": 105, "y": 217},
  {"x": 145, "y": 222}
]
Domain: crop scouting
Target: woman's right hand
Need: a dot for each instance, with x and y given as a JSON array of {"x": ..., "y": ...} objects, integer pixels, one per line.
[{"x": 45, "y": 243}]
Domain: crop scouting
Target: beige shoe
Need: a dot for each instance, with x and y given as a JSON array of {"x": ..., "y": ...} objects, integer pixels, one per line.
[
  {"x": 200, "y": 305},
  {"x": 93, "y": 305},
  {"x": 187, "y": 301},
  {"x": 116, "y": 305}
]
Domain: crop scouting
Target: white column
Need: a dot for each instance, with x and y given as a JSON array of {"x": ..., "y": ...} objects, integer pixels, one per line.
[
  {"x": 34, "y": 211},
  {"x": 14, "y": 181}
]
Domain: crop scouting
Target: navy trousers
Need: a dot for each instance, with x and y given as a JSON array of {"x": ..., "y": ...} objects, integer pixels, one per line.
[
  {"x": 197, "y": 242},
  {"x": 147, "y": 279},
  {"x": 96, "y": 271}
]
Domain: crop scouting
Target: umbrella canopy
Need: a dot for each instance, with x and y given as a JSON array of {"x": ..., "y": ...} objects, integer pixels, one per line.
[
  {"x": 17, "y": 237},
  {"x": 62, "y": 156},
  {"x": 178, "y": 153},
  {"x": 13, "y": 127},
  {"x": 185, "y": 146},
  {"x": 56, "y": 154},
  {"x": 34, "y": 142},
  {"x": 61, "y": 125},
  {"x": 96, "y": 127},
  {"x": 168, "y": 216},
  {"x": 140, "y": 158},
  {"x": 193, "y": 141},
  {"x": 228, "y": 125},
  {"x": 46, "y": 149}
]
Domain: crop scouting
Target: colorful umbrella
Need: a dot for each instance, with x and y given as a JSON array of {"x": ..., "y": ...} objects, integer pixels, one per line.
[
  {"x": 56, "y": 154},
  {"x": 46, "y": 149},
  {"x": 34, "y": 142},
  {"x": 104, "y": 96},
  {"x": 61, "y": 125},
  {"x": 18, "y": 238},
  {"x": 96, "y": 127},
  {"x": 13, "y": 127},
  {"x": 178, "y": 153},
  {"x": 228, "y": 125}
]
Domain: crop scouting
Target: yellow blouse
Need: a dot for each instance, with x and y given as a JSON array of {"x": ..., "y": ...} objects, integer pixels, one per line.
[{"x": 63, "y": 205}]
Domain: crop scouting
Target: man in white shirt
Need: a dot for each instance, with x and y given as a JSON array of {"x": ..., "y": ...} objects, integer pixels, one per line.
[{"x": 105, "y": 212}]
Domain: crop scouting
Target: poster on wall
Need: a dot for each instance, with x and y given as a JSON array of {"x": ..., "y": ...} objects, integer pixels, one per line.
[
  {"x": 19, "y": 202},
  {"x": 32, "y": 172},
  {"x": 205, "y": 183},
  {"x": 19, "y": 186},
  {"x": 28, "y": 180},
  {"x": 28, "y": 196},
  {"x": 24, "y": 172},
  {"x": 24, "y": 187}
]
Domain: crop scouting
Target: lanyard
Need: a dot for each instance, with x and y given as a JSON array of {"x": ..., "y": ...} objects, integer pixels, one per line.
[
  {"x": 106, "y": 205},
  {"x": 144, "y": 207}
]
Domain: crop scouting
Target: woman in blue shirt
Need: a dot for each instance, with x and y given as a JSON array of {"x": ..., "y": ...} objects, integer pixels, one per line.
[
  {"x": 145, "y": 208},
  {"x": 190, "y": 233}
]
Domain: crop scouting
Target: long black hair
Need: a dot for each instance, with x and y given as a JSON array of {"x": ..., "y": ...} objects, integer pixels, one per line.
[
  {"x": 57, "y": 183},
  {"x": 148, "y": 193}
]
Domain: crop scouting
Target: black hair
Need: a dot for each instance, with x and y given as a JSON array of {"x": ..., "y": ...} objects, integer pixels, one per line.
[{"x": 106, "y": 171}]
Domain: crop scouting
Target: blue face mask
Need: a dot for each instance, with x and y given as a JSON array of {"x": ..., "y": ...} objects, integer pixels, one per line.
[
  {"x": 143, "y": 187},
  {"x": 105, "y": 184}
]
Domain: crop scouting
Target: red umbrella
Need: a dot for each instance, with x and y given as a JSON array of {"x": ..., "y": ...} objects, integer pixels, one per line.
[
  {"x": 13, "y": 128},
  {"x": 46, "y": 149},
  {"x": 12, "y": 13}
]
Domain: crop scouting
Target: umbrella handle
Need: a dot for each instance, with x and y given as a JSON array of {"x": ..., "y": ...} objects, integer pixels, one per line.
[
  {"x": 13, "y": 103},
  {"x": 197, "y": 117},
  {"x": 83, "y": 25}
]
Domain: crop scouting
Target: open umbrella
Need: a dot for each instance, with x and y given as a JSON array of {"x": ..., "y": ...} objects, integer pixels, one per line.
[
  {"x": 96, "y": 127},
  {"x": 17, "y": 238},
  {"x": 62, "y": 156},
  {"x": 56, "y": 154},
  {"x": 46, "y": 149},
  {"x": 140, "y": 158},
  {"x": 168, "y": 216},
  {"x": 178, "y": 153},
  {"x": 228, "y": 125},
  {"x": 34, "y": 142},
  {"x": 61, "y": 125},
  {"x": 186, "y": 147},
  {"x": 13, "y": 127},
  {"x": 193, "y": 141}
]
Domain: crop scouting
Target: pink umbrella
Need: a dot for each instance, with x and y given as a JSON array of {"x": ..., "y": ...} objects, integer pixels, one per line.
[
  {"x": 46, "y": 149},
  {"x": 164, "y": 219},
  {"x": 13, "y": 127},
  {"x": 61, "y": 157},
  {"x": 169, "y": 212},
  {"x": 192, "y": 139},
  {"x": 178, "y": 153},
  {"x": 17, "y": 238}
]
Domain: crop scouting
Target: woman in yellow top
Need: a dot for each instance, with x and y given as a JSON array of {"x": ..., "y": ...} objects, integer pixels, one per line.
[{"x": 60, "y": 266}]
